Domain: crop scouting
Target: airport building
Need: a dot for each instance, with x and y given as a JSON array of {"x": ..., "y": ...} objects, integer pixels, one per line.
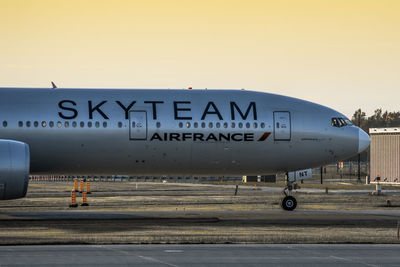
[{"x": 385, "y": 155}]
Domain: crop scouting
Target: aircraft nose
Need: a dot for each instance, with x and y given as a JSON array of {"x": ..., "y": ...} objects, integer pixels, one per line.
[{"x": 363, "y": 140}]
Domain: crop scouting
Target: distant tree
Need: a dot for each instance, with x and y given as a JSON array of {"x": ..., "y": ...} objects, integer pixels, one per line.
[
  {"x": 360, "y": 119},
  {"x": 392, "y": 119},
  {"x": 378, "y": 120}
]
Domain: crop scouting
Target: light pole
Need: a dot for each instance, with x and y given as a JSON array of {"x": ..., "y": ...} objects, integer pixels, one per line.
[{"x": 359, "y": 154}]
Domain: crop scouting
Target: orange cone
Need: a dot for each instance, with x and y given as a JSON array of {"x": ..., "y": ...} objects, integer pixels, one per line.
[
  {"x": 76, "y": 185},
  {"x": 84, "y": 199},
  {"x": 88, "y": 187},
  {"x": 73, "y": 200},
  {"x": 81, "y": 186}
]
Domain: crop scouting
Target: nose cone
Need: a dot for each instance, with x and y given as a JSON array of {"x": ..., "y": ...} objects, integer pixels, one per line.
[{"x": 363, "y": 140}]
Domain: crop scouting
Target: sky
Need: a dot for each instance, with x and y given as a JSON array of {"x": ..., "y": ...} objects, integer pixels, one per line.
[{"x": 342, "y": 54}]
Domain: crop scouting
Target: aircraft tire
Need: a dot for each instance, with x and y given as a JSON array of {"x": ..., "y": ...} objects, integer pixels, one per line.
[{"x": 289, "y": 203}]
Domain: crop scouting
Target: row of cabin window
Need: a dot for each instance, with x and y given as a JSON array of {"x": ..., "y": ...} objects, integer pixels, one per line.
[
  {"x": 74, "y": 124},
  {"x": 59, "y": 124},
  {"x": 224, "y": 125}
]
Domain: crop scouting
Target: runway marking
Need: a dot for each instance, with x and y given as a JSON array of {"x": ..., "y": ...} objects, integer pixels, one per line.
[
  {"x": 173, "y": 250},
  {"x": 140, "y": 256},
  {"x": 158, "y": 261},
  {"x": 350, "y": 260}
]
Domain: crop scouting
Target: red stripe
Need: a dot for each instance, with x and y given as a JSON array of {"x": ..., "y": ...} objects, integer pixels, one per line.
[{"x": 264, "y": 136}]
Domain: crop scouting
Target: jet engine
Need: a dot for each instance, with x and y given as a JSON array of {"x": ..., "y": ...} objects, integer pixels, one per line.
[{"x": 14, "y": 169}]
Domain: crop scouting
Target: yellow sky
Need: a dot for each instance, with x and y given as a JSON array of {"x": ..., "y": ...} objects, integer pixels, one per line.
[{"x": 344, "y": 54}]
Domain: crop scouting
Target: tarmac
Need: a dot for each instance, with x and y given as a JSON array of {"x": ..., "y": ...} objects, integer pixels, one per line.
[
  {"x": 316, "y": 217},
  {"x": 201, "y": 255},
  {"x": 175, "y": 213}
]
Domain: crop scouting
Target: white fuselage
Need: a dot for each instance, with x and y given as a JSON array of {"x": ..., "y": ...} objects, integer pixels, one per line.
[{"x": 172, "y": 132}]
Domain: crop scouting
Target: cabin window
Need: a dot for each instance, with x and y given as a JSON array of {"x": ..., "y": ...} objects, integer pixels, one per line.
[
  {"x": 180, "y": 125},
  {"x": 66, "y": 124},
  {"x": 51, "y": 124},
  {"x": 104, "y": 124},
  {"x": 82, "y": 124},
  {"x": 120, "y": 124},
  {"x": 97, "y": 124},
  {"x": 59, "y": 124},
  {"x": 89, "y": 124},
  {"x": 203, "y": 125},
  {"x": 210, "y": 125},
  {"x": 74, "y": 124},
  {"x": 188, "y": 125},
  {"x": 255, "y": 125},
  {"x": 262, "y": 125},
  {"x": 248, "y": 125},
  {"x": 195, "y": 125},
  {"x": 36, "y": 124},
  {"x": 44, "y": 124},
  {"x": 233, "y": 125},
  {"x": 5, "y": 123},
  {"x": 240, "y": 125},
  {"x": 225, "y": 125},
  {"x": 28, "y": 124},
  {"x": 218, "y": 125}
]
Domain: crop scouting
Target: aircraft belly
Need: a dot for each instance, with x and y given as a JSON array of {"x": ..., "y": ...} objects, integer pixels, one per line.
[{"x": 96, "y": 158}]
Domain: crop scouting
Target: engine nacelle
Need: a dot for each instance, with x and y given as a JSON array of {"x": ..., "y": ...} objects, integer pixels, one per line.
[{"x": 14, "y": 169}]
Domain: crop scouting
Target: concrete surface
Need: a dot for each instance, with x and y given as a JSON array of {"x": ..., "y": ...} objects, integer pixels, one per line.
[{"x": 201, "y": 255}]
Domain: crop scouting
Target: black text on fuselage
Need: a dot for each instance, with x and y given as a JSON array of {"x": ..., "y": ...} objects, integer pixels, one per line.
[{"x": 182, "y": 110}]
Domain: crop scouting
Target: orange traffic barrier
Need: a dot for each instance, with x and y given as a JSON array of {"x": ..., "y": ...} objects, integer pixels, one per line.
[
  {"x": 76, "y": 185},
  {"x": 88, "y": 187},
  {"x": 73, "y": 200},
  {"x": 81, "y": 186},
  {"x": 84, "y": 199}
]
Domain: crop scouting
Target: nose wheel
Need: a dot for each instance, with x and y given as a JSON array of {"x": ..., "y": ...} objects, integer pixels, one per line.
[{"x": 289, "y": 203}]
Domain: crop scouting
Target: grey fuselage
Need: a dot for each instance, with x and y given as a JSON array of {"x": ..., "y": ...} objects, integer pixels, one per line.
[{"x": 171, "y": 132}]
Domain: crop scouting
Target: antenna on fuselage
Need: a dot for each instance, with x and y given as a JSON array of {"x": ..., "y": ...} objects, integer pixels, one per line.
[{"x": 53, "y": 85}]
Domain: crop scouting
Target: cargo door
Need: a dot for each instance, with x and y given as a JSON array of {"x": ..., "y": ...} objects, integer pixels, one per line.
[
  {"x": 138, "y": 125},
  {"x": 282, "y": 126}
]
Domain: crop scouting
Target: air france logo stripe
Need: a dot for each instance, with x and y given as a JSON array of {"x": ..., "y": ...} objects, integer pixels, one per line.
[{"x": 264, "y": 136}]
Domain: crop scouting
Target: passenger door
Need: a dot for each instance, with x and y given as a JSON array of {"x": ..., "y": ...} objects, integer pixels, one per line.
[
  {"x": 138, "y": 125},
  {"x": 282, "y": 126}
]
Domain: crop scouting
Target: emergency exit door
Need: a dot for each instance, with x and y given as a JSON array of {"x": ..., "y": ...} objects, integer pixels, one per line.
[
  {"x": 138, "y": 125},
  {"x": 282, "y": 126}
]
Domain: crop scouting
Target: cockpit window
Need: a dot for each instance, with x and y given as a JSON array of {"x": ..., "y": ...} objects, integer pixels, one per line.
[
  {"x": 348, "y": 122},
  {"x": 341, "y": 122}
]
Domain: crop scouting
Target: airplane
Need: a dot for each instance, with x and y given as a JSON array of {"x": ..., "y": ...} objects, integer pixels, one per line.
[{"x": 166, "y": 132}]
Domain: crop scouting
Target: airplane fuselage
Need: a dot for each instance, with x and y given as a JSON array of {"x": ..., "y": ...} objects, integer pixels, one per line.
[{"x": 171, "y": 132}]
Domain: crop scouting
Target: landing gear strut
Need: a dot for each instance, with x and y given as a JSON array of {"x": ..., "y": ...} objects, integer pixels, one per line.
[{"x": 289, "y": 202}]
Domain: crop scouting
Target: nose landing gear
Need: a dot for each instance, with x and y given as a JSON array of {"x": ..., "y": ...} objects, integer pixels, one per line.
[{"x": 289, "y": 203}]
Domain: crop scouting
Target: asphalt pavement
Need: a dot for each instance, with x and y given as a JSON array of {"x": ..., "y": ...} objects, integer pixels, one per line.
[{"x": 201, "y": 255}]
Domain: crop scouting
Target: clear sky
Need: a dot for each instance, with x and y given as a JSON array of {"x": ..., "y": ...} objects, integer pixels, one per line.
[{"x": 343, "y": 54}]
